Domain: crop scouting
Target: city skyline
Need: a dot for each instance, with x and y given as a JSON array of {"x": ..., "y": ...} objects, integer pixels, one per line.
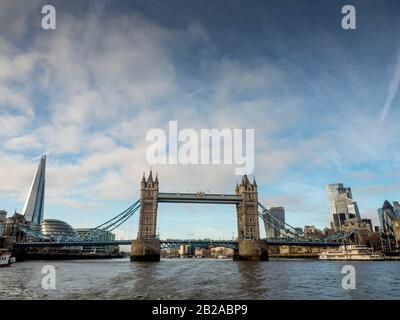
[
  {"x": 86, "y": 93},
  {"x": 342, "y": 206}
]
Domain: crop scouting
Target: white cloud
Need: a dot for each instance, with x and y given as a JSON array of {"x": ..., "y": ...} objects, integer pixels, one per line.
[
  {"x": 12, "y": 125},
  {"x": 16, "y": 101},
  {"x": 89, "y": 91},
  {"x": 393, "y": 89},
  {"x": 15, "y": 17},
  {"x": 25, "y": 143}
]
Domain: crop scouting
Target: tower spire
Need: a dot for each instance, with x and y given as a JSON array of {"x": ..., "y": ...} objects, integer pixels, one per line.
[
  {"x": 150, "y": 179},
  {"x": 34, "y": 203},
  {"x": 156, "y": 180}
]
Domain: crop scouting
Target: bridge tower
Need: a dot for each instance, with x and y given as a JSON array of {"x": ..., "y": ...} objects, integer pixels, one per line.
[
  {"x": 147, "y": 246},
  {"x": 250, "y": 245},
  {"x": 148, "y": 207}
]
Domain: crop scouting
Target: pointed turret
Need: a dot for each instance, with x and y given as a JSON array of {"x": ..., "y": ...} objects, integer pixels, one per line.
[
  {"x": 150, "y": 179},
  {"x": 254, "y": 182},
  {"x": 143, "y": 182},
  {"x": 237, "y": 188},
  {"x": 156, "y": 180},
  {"x": 245, "y": 180}
]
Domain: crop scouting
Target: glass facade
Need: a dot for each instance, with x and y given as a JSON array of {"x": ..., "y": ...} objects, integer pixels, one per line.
[
  {"x": 57, "y": 229},
  {"x": 272, "y": 226},
  {"x": 342, "y": 207},
  {"x": 387, "y": 214},
  {"x": 34, "y": 205}
]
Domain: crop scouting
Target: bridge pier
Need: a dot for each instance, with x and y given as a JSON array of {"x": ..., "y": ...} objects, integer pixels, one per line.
[
  {"x": 252, "y": 250},
  {"x": 145, "y": 250}
]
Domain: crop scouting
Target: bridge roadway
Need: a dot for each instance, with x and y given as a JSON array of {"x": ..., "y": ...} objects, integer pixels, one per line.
[{"x": 172, "y": 243}]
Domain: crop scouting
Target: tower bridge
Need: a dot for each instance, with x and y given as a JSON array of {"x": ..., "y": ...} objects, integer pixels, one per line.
[
  {"x": 250, "y": 247},
  {"x": 147, "y": 246}
]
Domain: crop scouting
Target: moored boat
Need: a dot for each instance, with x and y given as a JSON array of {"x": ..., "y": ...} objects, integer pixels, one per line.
[
  {"x": 351, "y": 252},
  {"x": 5, "y": 258}
]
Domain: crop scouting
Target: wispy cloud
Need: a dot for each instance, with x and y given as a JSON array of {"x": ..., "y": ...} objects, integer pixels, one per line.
[
  {"x": 87, "y": 94},
  {"x": 393, "y": 89}
]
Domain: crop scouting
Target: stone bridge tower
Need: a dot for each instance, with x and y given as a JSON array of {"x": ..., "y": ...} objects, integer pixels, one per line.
[
  {"x": 148, "y": 208},
  {"x": 247, "y": 210},
  {"x": 250, "y": 245},
  {"x": 147, "y": 247}
]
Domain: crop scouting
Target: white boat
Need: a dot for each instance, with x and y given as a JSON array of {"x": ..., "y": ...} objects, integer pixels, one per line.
[
  {"x": 351, "y": 252},
  {"x": 5, "y": 258}
]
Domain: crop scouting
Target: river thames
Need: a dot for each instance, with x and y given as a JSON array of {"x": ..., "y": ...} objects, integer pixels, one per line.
[{"x": 200, "y": 279}]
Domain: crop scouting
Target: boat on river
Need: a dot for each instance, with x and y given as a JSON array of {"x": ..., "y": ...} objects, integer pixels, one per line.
[
  {"x": 351, "y": 252},
  {"x": 5, "y": 258}
]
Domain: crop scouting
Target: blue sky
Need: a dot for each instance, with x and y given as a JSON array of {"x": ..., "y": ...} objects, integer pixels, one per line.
[{"x": 323, "y": 102}]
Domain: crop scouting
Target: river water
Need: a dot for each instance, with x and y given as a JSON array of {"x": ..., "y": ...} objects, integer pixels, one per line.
[{"x": 200, "y": 279}]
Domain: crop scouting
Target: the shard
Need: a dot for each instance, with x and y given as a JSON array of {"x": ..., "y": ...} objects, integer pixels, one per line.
[{"x": 34, "y": 204}]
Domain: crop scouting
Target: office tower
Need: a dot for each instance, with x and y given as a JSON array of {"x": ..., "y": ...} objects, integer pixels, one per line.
[
  {"x": 34, "y": 204},
  {"x": 3, "y": 217},
  {"x": 342, "y": 207},
  {"x": 271, "y": 225},
  {"x": 387, "y": 214}
]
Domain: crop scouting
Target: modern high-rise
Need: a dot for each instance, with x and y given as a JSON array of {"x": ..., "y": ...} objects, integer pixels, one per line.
[
  {"x": 34, "y": 204},
  {"x": 271, "y": 223},
  {"x": 387, "y": 214},
  {"x": 342, "y": 207},
  {"x": 3, "y": 217}
]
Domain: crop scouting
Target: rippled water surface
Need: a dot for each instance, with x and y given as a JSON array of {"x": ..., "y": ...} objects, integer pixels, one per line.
[{"x": 200, "y": 279}]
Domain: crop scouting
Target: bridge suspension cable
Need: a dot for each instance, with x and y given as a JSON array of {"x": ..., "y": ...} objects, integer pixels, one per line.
[
  {"x": 283, "y": 226},
  {"x": 117, "y": 217},
  {"x": 280, "y": 226},
  {"x": 112, "y": 224},
  {"x": 123, "y": 220},
  {"x": 96, "y": 233},
  {"x": 277, "y": 225}
]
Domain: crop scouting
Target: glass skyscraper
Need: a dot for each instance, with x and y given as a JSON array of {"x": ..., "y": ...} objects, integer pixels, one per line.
[
  {"x": 387, "y": 214},
  {"x": 272, "y": 225},
  {"x": 34, "y": 204},
  {"x": 341, "y": 205}
]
